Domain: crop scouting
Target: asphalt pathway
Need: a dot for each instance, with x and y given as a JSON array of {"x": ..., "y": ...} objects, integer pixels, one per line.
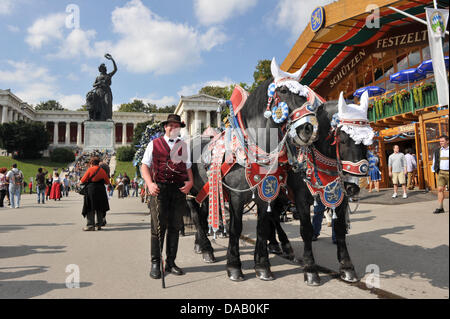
[{"x": 43, "y": 247}]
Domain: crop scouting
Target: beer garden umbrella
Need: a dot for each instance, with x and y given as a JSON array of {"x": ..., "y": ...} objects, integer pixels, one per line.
[
  {"x": 427, "y": 66},
  {"x": 372, "y": 91}
]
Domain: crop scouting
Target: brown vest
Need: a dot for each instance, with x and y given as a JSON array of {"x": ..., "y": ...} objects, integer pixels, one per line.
[{"x": 164, "y": 170}]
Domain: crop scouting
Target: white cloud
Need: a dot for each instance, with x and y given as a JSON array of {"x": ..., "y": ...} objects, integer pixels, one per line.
[
  {"x": 160, "y": 102},
  {"x": 294, "y": 15},
  {"x": 210, "y": 12},
  {"x": 193, "y": 89},
  {"x": 45, "y": 30},
  {"x": 149, "y": 43},
  {"x": 6, "y": 7},
  {"x": 34, "y": 84},
  {"x": 24, "y": 72},
  {"x": 13, "y": 28},
  {"x": 146, "y": 42},
  {"x": 71, "y": 102}
]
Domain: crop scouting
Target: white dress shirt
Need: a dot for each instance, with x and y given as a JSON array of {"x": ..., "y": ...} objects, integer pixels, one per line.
[
  {"x": 443, "y": 164},
  {"x": 148, "y": 155}
]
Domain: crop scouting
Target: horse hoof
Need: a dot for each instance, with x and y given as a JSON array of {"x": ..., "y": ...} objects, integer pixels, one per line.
[
  {"x": 312, "y": 279},
  {"x": 264, "y": 274},
  {"x": 209, "y": 258},
  {"x": 275, "y": 249},
  {"x": 197, "y": 249},
  {"x": 235, "y": 274},
  {"x": 349, "y": 275}
]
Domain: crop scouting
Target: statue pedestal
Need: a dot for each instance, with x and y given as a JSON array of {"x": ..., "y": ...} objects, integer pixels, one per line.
[{"x": 99, "y": 136}]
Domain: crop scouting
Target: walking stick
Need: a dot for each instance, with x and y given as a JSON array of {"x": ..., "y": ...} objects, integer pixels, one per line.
[{"x": 161, "y": 243}]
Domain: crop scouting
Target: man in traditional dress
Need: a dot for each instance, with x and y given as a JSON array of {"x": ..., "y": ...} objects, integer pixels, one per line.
[
  {"x": 440, "y": 168},
  {"x": 167, "y": 173}
]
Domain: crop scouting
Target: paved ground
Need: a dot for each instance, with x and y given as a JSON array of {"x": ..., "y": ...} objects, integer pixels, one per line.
[{"x": 38, "y": 242}]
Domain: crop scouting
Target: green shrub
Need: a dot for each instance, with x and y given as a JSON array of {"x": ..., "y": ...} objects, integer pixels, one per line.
[
  {"x": 62, "y": 155},
  {"x": 125, "y": 153}
]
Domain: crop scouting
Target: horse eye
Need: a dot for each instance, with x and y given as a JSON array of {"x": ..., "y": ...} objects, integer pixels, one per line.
[{"x": 283, "y": 91}]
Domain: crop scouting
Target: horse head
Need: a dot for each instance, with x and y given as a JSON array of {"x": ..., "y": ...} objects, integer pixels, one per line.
[{"x": 353, "y": 135}]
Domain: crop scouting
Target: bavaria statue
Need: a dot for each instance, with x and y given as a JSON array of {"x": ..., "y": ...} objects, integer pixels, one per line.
[{"x": 99, "y": 100}]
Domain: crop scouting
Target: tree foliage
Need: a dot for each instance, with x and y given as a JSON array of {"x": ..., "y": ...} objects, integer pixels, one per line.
[
  {"x": 83, "y": 108},
  {"x": 62, "y": 155},
  {"x": 50, "y": 105},
  {"x": 24, "y": 139},
  {"x": 140, "y": 106},
  {"x": 125, "y": 153}
]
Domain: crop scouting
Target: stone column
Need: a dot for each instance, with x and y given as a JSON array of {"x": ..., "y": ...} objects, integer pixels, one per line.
[
  {"x": 219, "y": 119},
  {"x": 55, "y": 133},
  {"x": 196, "y": 124},
  {"x": 67, "y": 133},
  {"x": 208, "y": 118},
  {"x": 124, "y": 133},
  {"x": 79, "y": 134},
  {"x": 5, "y": 112}
]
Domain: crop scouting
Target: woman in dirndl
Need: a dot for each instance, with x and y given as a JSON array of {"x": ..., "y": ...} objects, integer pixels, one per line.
[
  {"x": 55, "y": 192},
  {"x": 96, "y": 199},
  {"x": 374, "y": 171}
]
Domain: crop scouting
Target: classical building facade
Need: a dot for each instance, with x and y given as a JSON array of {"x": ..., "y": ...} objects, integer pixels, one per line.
[
  {"x": 198, "y": 112},
  {"x": 66, "y": 128}
]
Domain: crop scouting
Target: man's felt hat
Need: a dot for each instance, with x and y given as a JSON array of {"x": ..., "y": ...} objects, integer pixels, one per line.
[{"x": 175, "y": 119}]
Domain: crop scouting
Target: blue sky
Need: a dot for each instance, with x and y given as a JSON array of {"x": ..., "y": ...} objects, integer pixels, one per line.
[{"x": 163, "y": 49}]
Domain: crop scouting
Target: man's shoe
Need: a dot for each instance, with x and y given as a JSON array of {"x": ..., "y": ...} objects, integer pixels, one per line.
[
  {"x": 89, "y": 228},
  {"x": 439, "y": 211},
  {"x": 174, "y": 269},
  {"x": 394, "y": 195},
  {"x": 99, "y": 227},
  {"x": 155, "y": 272},
  {"x": 314, "y": 238},
  {"x": 405, "y": 195}
]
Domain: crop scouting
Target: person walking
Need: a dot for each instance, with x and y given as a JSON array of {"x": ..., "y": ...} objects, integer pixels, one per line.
[
  {"x": 397, "y": 170},
  {"x": 96, "y": 200},
  {"x": 119, "y": 186},
  {"x": 126, "y": 185},
  {"x": 166, "y": 169},
  {"x": 319, "y": 211},
  {"x": 374, "y": 171},
  {"x": 48, "y": 188},
  {"x": 440, "y": 168},
  {"x": 15, "y": 179},
  {"x": 66, "y": 186},
  {"x": 40, "y": 185},
  {"x": 112, "y": 181},
  {"x": 56, "y": 188},
  {"x": 411, "y": 166},
  {"x": 3, "y": 185}
]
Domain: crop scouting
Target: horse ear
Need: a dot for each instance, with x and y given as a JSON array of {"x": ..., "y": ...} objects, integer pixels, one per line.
[
  {"x": 342, "y": 106},
  {"x": 364, "y": 103},
  {"x": 297, "y": 75},
  {"x": 275, "y": 69}
]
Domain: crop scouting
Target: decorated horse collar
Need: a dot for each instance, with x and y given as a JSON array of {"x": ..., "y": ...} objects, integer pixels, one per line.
[{"x": 280, "y": 111}]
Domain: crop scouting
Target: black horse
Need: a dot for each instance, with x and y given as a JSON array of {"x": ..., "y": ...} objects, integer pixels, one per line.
[
  {"x": 237, "y": 187},
  {"x": 349, "y": 152}
]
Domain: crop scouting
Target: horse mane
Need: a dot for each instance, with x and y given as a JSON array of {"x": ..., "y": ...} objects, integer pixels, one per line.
[
  {"x": 324, "y": 115},
  {"x": 255, "y": 105}
]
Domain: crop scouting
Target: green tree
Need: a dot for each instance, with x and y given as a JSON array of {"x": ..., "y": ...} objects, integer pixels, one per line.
[
  {"x": 262, "y": 72},
  {"x": 221, "y": 92},
  {"x": 50, "y": 105},
  {"x": 27, "y": 140},
  {"x": 83, "y": 108}
]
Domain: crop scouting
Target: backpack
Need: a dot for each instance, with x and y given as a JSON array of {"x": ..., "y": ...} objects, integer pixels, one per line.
[{"x": 18, "y": 178}]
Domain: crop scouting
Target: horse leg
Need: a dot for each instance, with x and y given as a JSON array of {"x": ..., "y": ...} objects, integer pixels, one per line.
[
  {"x": 261, "y": 256},
  {"x": 202, "y": 244},
  {"x": 274, "y": 247},
  {"x": 234, "y": 264},
  {"x": 286, "y": 248},
  {"x": 311, "y": 274},
  {"x": 346, "y": 268}
]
